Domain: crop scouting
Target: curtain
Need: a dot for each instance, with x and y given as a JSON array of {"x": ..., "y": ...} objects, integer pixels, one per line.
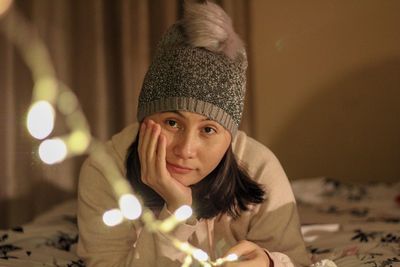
[{"x": 101, "y": 49}]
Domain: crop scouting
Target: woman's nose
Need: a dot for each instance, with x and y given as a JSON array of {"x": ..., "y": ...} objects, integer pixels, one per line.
[{"x": 185, "y": 146}]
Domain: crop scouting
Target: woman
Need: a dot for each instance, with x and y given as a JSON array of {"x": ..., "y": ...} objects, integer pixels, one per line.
[{"x": 188, "y": 150}]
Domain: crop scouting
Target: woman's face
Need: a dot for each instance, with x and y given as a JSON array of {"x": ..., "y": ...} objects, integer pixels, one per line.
[{"x": 195, "y": 144}]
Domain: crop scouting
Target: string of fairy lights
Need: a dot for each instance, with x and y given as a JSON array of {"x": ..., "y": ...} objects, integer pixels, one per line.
[{"x": 51, "y": 97}]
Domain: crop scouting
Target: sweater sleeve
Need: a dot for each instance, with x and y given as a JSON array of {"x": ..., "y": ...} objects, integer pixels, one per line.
[
  {"x": 127, "y": 244},
  {"x": 273, "y": 225}
]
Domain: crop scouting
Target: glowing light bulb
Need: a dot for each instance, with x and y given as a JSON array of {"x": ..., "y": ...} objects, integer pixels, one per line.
[
  {"x": 180, "y": 215},
  {"x": 130, "y": 206},
  {"x": 78, "y": 142},
  {"x": 200, "y": 255},
  {"x": 112, "y": 217},
  {"x": 184, "y": 247},
  {"x": 184, "y": 212},
  {"x": 187, "y": 262},
  {"x": 232, "y": 257},
  {"x": 67, "y": 102},
  {"x": 40, "y": 121},
  {"x": 52, "y": 151},
  {"x": 46, "y": 87}
]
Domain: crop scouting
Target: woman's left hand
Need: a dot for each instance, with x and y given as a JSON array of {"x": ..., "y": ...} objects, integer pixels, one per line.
[{"x": 250, "y": 255}]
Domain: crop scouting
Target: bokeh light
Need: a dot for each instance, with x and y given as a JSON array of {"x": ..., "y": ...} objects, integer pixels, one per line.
[
  {"x": 40, "y": 121},
  {"x": 184, "y": 247},
  {"x": 130, "y": 206},
  {"x": 229, "y": 258},
  {"x": 67, "y": 102},
  {"x": 112, "y": 217},
  {"x": 187, "y": 262},
  {"x": 78, "y": 142},
  {"x": 200, "y": 255},
  {"x": 46, "y": 88},
  {"x": 232, "y": 257},
  {"x": 52, "y": 151},
  {"x": 183, "y": 213}
]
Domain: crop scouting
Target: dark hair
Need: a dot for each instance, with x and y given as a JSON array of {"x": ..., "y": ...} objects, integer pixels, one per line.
[{"x": 227, "y": 189}]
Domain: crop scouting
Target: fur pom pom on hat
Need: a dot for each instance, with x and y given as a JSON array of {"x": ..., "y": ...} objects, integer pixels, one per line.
[
  {"x": 199, "y": 66},
  {"x": 208, "y": 26}
]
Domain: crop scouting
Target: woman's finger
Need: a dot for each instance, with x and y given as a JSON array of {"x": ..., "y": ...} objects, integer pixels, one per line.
[
  {"x": 142, "y": 130},
  {"x": 161, "y": 154},
  {"x": 152, "y": 145},
  {"x": 144, "y": 163}
]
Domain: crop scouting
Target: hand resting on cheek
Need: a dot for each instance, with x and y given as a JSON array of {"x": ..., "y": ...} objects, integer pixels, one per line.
[{"x": 154, "y": 173}]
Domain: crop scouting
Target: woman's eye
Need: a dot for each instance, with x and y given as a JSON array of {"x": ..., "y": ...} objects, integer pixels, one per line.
[
  {"x": 209, "y": 130},
  {"x": 172, "y": 123}
]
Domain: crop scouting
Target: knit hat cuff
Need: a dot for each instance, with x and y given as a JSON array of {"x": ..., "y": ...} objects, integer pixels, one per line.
[{"x": 188, "y": 104}]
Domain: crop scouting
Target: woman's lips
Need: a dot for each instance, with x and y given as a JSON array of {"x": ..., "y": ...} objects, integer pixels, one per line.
[{"x": 178, "y": 169}]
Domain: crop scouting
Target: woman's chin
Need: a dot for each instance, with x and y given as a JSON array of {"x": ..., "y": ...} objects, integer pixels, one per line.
[{"x": 182, "y": 179}]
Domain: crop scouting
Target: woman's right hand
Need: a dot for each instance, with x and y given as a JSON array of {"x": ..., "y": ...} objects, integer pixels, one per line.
[{"x": 152, "y": 155}]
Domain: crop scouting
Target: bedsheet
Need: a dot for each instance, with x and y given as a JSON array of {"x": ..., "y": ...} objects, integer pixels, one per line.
[
  {"x": 353, "y": 225},
  {"x": 343, "y": 224},
  {"x": 49, "y": 240}
]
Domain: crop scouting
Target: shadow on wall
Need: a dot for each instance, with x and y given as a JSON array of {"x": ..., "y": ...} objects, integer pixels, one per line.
[{"x": 350, "y": 131}]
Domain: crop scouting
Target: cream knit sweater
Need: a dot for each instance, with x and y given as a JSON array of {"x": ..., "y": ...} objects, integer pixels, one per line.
[{"x": 273, "y": 225}]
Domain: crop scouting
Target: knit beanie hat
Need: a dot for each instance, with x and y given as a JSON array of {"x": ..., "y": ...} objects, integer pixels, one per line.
[{"x": 199, "y": 66}]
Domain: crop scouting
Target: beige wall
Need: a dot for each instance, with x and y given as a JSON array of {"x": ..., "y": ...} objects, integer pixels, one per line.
[{"x": 326, "y": 81}]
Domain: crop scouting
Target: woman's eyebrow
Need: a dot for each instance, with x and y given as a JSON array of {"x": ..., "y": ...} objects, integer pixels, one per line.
[
  {"x": 176, "y": 112},
  {"x": 180, "y": 114}
]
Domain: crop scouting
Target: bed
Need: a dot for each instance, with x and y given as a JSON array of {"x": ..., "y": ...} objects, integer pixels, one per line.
[
  {"x": 342, "y": 223},
  {"x": 353, "y": 225}
]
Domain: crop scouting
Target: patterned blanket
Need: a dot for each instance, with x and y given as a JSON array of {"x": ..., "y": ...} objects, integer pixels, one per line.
[
  {"x": 49, "y": 240},
  {"x": 351, "y": 225}
]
